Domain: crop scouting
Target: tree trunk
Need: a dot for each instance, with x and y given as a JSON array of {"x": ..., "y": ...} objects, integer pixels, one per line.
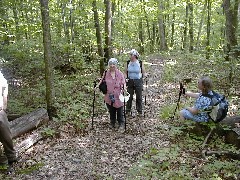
[
  {"x": 15, "y": 15},
  {"x": 201, "y": 24},
  {"x": 65, "y": 23},
  {"x": 231, "y": 25},
  {"x": 191, "y": 40},
  {"x": 140, "y": 36},
  {"x": 172, "y": 25},
  {"x": 71, "y": 18},
  {"x": 98, "y": 35},
  {"x": 108, "y": 30},
  {"x": 231, "y": 13},
  {"x": 148, "y": 27},
  {"x": 163, "y": 43},
  {"x": 48, "y": 58},
  {"x": 28, "y": 122},
  {"x": 185, "y": 27},
  {"x": 208, "y": 29}
]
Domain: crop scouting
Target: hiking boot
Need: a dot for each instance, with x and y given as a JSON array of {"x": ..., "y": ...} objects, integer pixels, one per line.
[
  {"x": 14, "y": 160},
  {"x": 121, "y": 128},
  {"x": 140, "y": 114}
]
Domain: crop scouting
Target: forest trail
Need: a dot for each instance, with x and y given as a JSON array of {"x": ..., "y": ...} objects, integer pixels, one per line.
[{"x": 102, "y": 153}]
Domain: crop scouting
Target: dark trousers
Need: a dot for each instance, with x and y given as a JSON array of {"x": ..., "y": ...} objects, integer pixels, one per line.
[
  {"x": 137, "y": 86},
  {"x": 113, "y": 112},
  {"x": 6, "y": 139}
]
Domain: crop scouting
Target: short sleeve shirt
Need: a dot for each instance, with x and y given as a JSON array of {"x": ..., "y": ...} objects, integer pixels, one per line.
[
  {"x": 202, "y": 103},
  {"x": 114, "y": 86}
]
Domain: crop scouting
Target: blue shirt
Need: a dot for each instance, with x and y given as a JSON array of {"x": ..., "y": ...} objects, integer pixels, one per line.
[
  {"x": 202, "y": 103},
  {"x": 134, "y": 70}
]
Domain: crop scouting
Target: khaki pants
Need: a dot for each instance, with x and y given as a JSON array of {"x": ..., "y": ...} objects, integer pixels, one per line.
[{"x": 6, "y": 140}]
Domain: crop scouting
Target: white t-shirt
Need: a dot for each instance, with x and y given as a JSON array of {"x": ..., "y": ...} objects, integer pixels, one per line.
[{"x": 3, "y": 89}]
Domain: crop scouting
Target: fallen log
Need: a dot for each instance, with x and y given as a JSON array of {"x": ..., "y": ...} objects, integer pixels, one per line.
[
  {"x": 28, "y": 122},
  {"x": 231, "y": 132},
  {"x": 27, "y": 143},
  {"x": 226, "y": 154}
]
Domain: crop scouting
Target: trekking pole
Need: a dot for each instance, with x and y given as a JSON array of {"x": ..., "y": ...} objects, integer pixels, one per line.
[
  {"x": 124, "y": 111},
  {"x": 182, "y": 91},
  {"x": 145, "y": 97},
  {"x": 94, "y": 96}
]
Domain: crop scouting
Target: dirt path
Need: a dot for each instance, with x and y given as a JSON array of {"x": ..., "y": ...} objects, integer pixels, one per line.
[{"x": 102, "y": 153}]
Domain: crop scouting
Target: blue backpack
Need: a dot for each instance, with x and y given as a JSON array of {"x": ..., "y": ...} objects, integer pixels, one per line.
[{"x": 218, "y": 108}]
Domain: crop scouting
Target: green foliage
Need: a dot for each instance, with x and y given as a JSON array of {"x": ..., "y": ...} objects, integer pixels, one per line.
[
  {"x": 30, "y": 169},
  {"x": 48, "y": 132},
  {"x": 179, "y": 161}
]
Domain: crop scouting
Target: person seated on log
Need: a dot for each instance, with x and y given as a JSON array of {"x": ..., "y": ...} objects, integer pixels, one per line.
[
  {"x": 197, "y": 113},
  {"x": 8, "y": 156}
]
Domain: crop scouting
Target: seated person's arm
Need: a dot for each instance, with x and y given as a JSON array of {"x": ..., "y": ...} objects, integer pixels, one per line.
[{"x": 191, "y": 94}]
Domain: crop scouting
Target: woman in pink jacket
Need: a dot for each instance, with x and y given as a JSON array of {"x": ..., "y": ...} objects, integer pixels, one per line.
[{"x": 115, "y": 85}]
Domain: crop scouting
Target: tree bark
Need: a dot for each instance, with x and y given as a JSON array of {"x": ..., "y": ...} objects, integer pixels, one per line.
[
  {"x": 231, "y": 13},
  {"x": 208, "y": 29},
  {"x": 163, "y": 43},
  {"x": 191, "y": 40},
  {"x": 173, "y": 25},
  {"x": 28, "y": 122},
  {"x": 201, "y": 23},
  {"x": 108, "y": 29},
  {"x": 98, "y": 35},
  {"x": 48, "y": 58},
  {"x": 185, "y": 27}
]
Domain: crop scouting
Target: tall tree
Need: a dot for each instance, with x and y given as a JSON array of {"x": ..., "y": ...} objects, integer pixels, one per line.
[
  {"x": 231, "y": 13},
  {"x": 191, "y": 40},
  {"x": 172, "y": 25},
  {"x": 98, "y": 35},
  {"x": 208, "y": 29},
  {"x": 185, "y": 27},
  {"x": 108, "y": 30},
  {"x": 50, "y": 95},
  {"x": 201, "y": 23},
  {"x": 163, "y": 42}
]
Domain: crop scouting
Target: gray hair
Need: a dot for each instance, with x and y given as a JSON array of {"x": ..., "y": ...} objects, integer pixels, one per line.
[{"x": 206, "y": 83}]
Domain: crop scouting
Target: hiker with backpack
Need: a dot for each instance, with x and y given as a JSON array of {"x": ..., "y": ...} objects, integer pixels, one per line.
[
  {"x": 115, "y": 84},
  {"x": 197, "y": 112},
  {"x": 134, "y": 73}
]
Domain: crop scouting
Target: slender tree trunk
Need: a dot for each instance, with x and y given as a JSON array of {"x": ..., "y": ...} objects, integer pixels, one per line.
[
  {"x": 208, "y": 29},
  {"x": 191, "y": 40},
  {"x": 153, "y": 36},
  {"x": 65, "y": 22},
  {"x": 48, "y": 58},
  {"x": 140, "y": 35},
  {"x": 148, "y": 26},
  {"x": 201, "y": 23},
  {"x": 163, "y": 42},
  {"x": 15, "y": 15},
  {"x": 185, "y": 27},
  {"x": 172, "y": 25},
  {"x": 98, "y": 35},
  {"x": 108, "y": 30},
  {"x": 71, "y": 20}
]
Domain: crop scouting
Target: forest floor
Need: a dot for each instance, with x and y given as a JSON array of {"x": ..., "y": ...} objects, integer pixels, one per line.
[{"x": 102, "y": 153}]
